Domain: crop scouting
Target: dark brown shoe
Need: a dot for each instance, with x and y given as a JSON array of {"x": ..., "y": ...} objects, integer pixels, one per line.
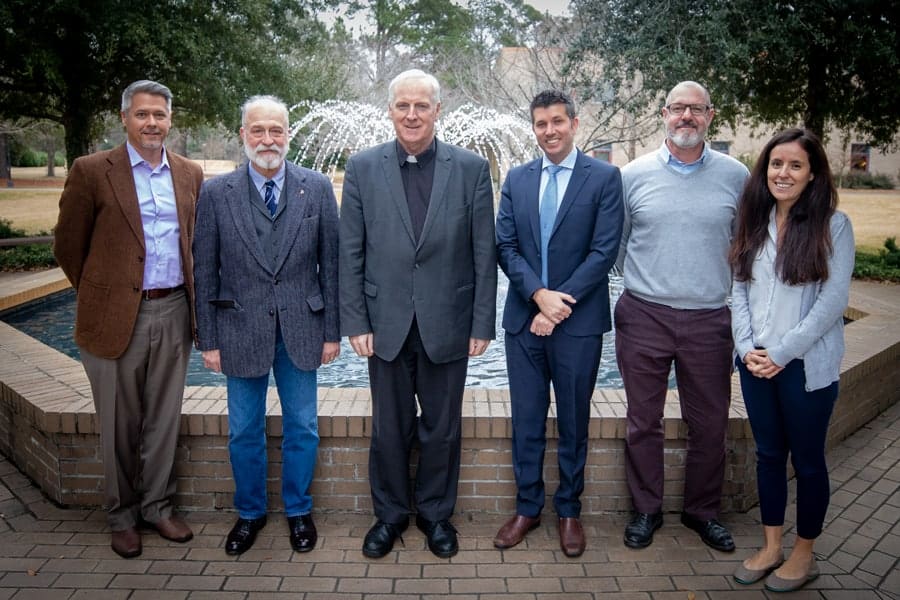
[
  {"x": 515, "y": 530},
  {"x": 571, "y": 536},
  {"x": 126, "y": 543},
  {"x": 173, "y": 528}
]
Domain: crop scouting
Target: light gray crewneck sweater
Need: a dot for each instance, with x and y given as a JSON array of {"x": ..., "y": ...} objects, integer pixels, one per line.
[{"x": 678, "y": 228}]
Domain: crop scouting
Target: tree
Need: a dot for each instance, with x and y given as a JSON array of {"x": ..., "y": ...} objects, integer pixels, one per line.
[
  {"x": 444, "y": 38},
  {"x": 68, "y": 61},
  {"x": 821, "y": 63}
]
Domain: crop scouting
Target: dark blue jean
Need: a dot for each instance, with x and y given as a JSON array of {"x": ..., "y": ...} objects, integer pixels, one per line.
[
  {"x": 786, "y": 418},
  {"x": 247, "y": 437}
]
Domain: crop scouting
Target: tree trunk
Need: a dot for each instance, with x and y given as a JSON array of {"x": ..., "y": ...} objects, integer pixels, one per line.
[
  {"x": 51, "y": 156},
  {"x": 5, "y": 166},
  {"x": 78, "y": 135}
]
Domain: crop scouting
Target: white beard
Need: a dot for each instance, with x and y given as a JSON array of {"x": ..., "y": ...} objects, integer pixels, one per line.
[
  {"x": 685, "y": 139},
  {"x": 265, "y": 162}
]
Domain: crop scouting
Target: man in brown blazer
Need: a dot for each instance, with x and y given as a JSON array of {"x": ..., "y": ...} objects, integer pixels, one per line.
[{"x": 126, "y": 219}]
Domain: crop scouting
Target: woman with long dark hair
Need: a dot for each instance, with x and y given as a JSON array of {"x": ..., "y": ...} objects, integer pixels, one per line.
[{"x": 792, "y": 259}]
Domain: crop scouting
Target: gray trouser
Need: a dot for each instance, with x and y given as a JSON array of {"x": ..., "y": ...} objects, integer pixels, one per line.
[{"x": 138, "y": 399}]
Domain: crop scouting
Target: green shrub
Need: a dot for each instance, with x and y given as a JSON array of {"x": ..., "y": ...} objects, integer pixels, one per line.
[
  {"x": 24, "y": 258},
  {"x": 883, "y": 266},
  {"x": 31, "y": 158},
  {"x": 867, "y": 181},
  {"x": 7, "y": 231},
  {"x": 59, "y": 159},
  {"x": 748, "y": 159}
]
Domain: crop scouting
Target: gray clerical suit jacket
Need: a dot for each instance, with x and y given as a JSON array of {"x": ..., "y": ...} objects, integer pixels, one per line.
[{"x": 448, "y": 280}]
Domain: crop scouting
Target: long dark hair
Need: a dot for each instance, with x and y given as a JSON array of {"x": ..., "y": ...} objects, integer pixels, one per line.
[{"x": 802, "y": 256}]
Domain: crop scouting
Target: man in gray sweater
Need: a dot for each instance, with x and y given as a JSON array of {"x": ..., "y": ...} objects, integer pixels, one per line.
[{"x": 680, "y": 204}]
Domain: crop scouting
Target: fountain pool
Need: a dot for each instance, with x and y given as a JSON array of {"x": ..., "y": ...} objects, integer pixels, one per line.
[{"x": 51, "y": 321}]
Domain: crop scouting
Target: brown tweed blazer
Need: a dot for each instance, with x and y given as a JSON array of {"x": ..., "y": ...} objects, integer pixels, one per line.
[{"x": 99, "y": 243}]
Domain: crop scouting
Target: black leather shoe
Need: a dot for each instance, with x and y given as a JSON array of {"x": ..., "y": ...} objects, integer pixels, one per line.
[
  {"x": 243, "y": 534},
  {"x": 441, "y": 536},
  {"x": 380, "y": 539},
  {"x": 303, "y": 533},
  {"x": 711, "y": 532},
  {"x": 639, "y": 531}
]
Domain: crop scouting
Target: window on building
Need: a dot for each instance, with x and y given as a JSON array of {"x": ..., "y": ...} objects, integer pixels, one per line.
[
  {"x": 859, "y": 158},
  {"x": 720, "y": 146},
  {"x": 603, "y": 151}
]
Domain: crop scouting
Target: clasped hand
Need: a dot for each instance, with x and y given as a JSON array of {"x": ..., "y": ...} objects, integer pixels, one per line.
[
  {"x": 760, "y": 365},
  {"x": 555, "y": 308}
]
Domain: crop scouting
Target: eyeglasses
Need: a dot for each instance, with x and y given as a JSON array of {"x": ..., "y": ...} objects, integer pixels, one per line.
[
  {"x": 698, "y": 110},
  {"x": 260, "y": 132}
]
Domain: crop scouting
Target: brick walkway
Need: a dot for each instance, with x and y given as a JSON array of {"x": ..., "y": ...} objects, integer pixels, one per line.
[{"x": 48, "y": 553}]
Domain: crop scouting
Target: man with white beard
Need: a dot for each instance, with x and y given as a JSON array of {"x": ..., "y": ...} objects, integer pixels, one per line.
[
  {"x": 680, "y": 203},
  {"x": 266, "y": 275}
]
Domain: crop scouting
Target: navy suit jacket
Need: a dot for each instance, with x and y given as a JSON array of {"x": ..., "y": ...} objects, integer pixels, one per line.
[
  {"x": 447, "y": 280},
  {"x": 239, "y": 294},
  {"x": 583, "y": 244}
]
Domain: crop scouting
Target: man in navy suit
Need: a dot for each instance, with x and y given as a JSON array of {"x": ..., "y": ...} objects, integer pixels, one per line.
[
  {"x": 558, "y": 229},
  {"x": 266, "y": 273},
  {"x": 418, "y": 298}
]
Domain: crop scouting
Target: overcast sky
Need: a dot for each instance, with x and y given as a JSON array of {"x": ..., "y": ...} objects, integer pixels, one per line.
[{"x": 554, "y": 7}]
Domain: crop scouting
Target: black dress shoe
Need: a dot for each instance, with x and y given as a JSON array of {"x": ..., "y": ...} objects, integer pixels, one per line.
[
  {"x": 441, "y": 536},
  {"x": 243, "y": 534},
  {"x": 380, "y": 539},
  {"x": 303, "y": 533},
  {"x": 639, "y": 532},
  {"x": 711, "y": 532}
]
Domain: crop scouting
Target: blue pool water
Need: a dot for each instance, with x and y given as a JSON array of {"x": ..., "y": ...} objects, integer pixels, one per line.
[{"x": 51, "y": 321}]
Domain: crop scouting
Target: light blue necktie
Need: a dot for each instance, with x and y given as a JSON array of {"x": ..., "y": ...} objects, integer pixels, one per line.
[
  {"x": 270, "y": 197},
  {"x": 548, "y": 217}
]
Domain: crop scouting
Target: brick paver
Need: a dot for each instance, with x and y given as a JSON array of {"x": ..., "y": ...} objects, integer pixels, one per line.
[{"x": 50, "y": 552}]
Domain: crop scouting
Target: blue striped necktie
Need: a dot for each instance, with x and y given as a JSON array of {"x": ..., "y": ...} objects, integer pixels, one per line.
[{"x": 270, "y": 197}]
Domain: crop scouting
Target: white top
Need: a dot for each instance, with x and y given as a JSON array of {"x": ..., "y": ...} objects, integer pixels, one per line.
[{"x": 774, "y": 305}]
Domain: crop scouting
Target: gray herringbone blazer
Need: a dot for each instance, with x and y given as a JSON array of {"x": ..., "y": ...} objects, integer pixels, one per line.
[{"x": 241, "y": 295}]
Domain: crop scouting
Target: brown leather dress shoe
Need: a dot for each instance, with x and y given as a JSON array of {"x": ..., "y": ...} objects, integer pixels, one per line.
[
  {"x": 173, "y": 528},
  {"x": 126, "y": 543},
  {"x": 514, "y": 531},
  {"x": 571, "y": 537}
]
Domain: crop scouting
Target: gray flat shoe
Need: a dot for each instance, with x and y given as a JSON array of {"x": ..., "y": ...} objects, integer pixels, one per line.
[
  {"x": 774, "y": 583},
  {"x": 746, "y": 576}
]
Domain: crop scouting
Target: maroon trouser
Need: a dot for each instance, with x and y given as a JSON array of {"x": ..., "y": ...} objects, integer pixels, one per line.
[{"x": 649, "y": 337}]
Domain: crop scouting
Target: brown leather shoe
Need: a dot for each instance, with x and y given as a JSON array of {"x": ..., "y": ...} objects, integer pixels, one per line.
[
  {"x": 571, "y": 537},
  {"x": 173, "y": 528},
  {"x": 514, "y": 531},
  {"x": 126, "y": 543}
]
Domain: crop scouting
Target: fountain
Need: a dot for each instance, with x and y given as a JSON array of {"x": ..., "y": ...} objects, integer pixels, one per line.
[{"x": 326, "y": 133}]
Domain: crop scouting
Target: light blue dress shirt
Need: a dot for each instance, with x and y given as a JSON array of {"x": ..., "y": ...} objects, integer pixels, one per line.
[
  {"x": 683, "y": 167},
  {"x": 562, "y": 178},
  {"x": 159, "y": 218},
  {"x": 260, "y": 181}
]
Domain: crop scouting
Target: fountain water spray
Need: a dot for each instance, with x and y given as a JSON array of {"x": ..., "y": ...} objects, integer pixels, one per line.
[{"x": 328, "y": 132}]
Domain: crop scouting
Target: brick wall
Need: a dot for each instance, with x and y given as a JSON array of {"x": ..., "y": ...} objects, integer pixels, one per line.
[{"x": 49, "y": 430}]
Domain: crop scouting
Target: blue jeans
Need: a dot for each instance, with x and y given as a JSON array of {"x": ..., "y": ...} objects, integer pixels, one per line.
[
  {"x": 247, "y": 437},
  {"x": 785, "y": 418}
]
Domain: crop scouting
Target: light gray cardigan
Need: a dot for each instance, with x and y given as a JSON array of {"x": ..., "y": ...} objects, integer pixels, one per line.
[{"x": 819, "y": 336}]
